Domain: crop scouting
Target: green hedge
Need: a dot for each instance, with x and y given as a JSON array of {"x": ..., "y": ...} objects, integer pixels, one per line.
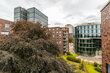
[
  {"x": 98, "y": 67},
  {"x": 74, "y": 59},
  {"x": 68, "y": 53}
]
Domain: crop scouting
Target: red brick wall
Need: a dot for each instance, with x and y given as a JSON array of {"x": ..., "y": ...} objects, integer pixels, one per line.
[
  {"x": 2, "y": 25},
  {"x": 55, "y": 38},
  {"x": 105, "y": 25}
]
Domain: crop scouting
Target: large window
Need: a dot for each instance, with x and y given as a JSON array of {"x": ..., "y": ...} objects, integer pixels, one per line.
[
  {"x": 98, "y": 26},
  {"x": 98, "y": 31},
  {"x": 4, "y": 33},
  {"x": 7, "y": 26}
]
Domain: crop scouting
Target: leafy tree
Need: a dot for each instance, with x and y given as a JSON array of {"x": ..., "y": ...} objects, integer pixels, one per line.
[
  {"x": 71, "y": 40},
  {"x": 29, "y": 50}
]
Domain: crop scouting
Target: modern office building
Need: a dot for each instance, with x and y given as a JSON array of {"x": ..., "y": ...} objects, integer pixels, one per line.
[
  {"x": 88, "y": 39},
  {"x": 61, "y": 36},
  {"x": 31, "y": 15},
  {"x": 71, "y": 30},
  {"x": 5, "y": 27},
  {"x": 105, "y": 25}
]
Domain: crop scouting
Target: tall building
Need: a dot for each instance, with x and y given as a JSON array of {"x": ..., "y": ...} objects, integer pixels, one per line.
[
  {"x": 31, "y": 15},
  {"x": 61, "y": 36},
  {"x": 105, "y": 25},
  {"x": 71, "y": 30},
  {"x": 88, "y": 39},
  {"x": 5, "y": 27},
  {"x": 20, "y": 14}
]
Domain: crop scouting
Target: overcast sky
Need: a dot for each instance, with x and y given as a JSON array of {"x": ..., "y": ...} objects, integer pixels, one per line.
[{"x": 59, "y": 12}]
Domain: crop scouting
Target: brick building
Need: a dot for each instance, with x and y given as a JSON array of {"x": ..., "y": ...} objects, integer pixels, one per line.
[
  {"x": 105, "y": 25},
  {"x": 61, "y": 36},
  {"x": 4, "y": 27}
]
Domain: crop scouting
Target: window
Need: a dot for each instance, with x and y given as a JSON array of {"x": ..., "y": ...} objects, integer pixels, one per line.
[
  {"x": 57, "y": 29},
  {"x": 7, "y": 26},
  {"x": 98, "y": 26},
  {"x": 94, "y": 26},
  {"x": 94, "y": 31},
  {"x": 86, "y": 27},
  {"x": 86, "y": 31},
  {"x": 4, "y": 33},
  {"x": 82, "y": 31},
  {"x": 82, "y": 27}
]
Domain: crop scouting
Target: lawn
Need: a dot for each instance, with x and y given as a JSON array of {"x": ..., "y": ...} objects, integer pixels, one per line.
[{"x": 89, "y": 66}]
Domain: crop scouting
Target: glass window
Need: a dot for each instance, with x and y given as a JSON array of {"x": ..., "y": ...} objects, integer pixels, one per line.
[
  {"x": 98, "y": 31},
  {"x": 7, "y": 25},
  {"x": 86, "y": 31},
  {"x": 94, "y": 26},
  {"x": 82, "y": 27},
  {"x": 94, "y": 35},
  {"x": 57, "y": 31},
  {"x": 90, "y": 31},
  {"x": 4, "y": 33},
  {"x": 90, "y": 26},
  {"x": 98, "y": 26},
  {"x": 82, "y": 31},
  {"x": 86, "y": 27},
  {"x": 94, "y": 31}
]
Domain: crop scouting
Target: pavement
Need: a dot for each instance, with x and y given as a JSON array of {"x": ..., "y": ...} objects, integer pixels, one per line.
[{"x": 97, "y": 59}]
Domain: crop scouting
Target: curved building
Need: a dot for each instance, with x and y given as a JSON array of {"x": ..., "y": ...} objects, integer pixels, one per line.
[{"x": 88, "y": 39}]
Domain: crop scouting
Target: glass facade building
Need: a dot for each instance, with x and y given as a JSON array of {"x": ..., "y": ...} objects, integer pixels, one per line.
[
  {"x": 88, "y": 38},
  {"x": 31, "y": 15}
]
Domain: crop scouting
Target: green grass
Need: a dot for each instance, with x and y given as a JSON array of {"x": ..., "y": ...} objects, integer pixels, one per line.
[
  {"x": 89, "y": 66},
  {"x": 91, "y": 69}
]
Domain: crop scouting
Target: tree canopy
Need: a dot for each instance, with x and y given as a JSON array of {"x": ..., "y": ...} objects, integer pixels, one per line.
[{"x": 29, "y": 50}]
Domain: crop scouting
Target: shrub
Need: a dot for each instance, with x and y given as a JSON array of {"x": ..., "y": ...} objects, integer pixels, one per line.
[
  {"x": 99, "y": 68},
  {"x": 71, "y": 40},
  {"x": 74, "y": 59},
  {"x": 82, "y": 66},
  {"x": 78, "y": 60},
  {"x": 68, "y": 53},
  {"x": 95, "y": 64}
]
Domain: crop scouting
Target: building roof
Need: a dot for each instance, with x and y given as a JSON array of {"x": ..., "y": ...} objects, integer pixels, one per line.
[
  {"x": 105, "y": 5},
  {"x": 85, "y": 24},
  {"x": 5, "y": 21}
]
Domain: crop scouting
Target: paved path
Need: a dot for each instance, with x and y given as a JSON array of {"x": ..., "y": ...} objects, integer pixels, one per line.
[
  {"x": 97, "y": 59},
  {"x": 71, "y": 48}
]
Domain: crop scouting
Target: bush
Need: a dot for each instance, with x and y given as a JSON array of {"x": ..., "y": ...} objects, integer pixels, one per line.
[
  {"x": 78, "y": 60},
  {"x": 95, "y": 64},
  {"x": 74, "y": 59},
  {"x": 68, "y": 53},
  {"x": 99, "y": 68},
  {"x": 71, "y": 40}
]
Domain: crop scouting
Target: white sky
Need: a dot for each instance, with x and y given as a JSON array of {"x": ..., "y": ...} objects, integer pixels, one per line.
[{"x": 59, "y": 12}]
